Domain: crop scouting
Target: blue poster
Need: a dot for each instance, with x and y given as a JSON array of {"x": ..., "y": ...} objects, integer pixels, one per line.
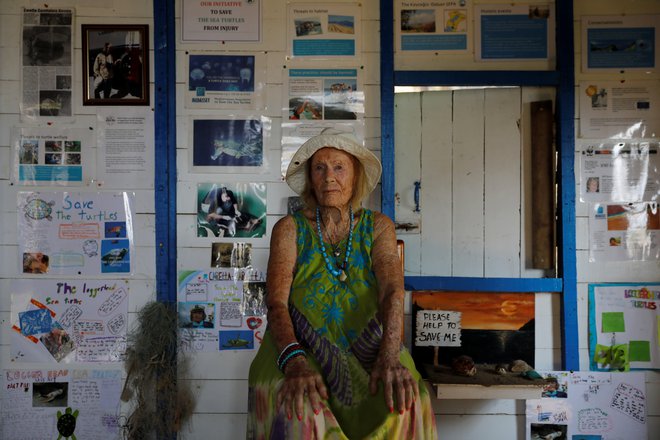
[
  {"x": 620, "y": 48},
  {"x": 221, "y": 73}
]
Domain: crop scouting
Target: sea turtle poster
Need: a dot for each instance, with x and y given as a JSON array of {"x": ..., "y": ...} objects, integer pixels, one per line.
[
  {"x": 63, "y": 320},
  {"x": 75, "y": 233},
  {"x": 221, "y": 309},
  {"x": 233, "y": 143},
  {"x": 623, "y": 327},
  {"x": 60, "y": 403}
]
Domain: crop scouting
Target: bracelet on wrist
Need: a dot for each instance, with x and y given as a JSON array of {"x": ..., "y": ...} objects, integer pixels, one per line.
[
  {"x": 288, "y": 349},
  {"x": 289, "y": 357}
]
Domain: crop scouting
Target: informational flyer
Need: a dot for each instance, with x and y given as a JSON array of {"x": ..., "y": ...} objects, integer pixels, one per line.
[
  {"x": 221, "y": 20},
  {"x": 221, "y": 309},
  {"x": 611, "y": 43},
  {"x": 619, "y": 109},
  {"x": 229, "y": 144},
  {"x": 624, "y": 322},
  {"x": 439, "y": 26},
  {"x": 68, "y": 320},
  {"x": 317, "y": 99},
  {"x": 324, "y": 30},
  {"x": 60, "y": 403},
  {"x": 624, "y": 232},
  {"x": 233, "y": 210},
  {"x": 226, "y": 82},
  {"x": 589, "y": 406},
  {"x": 83, "y": 233},
  {"x": 52, "y": 156},
  {"x": 47, "y": 64},
  {"x": 619, "y": 170},
  {"x": 126, "y": 147},
  {"x": 519, "y": 32}
]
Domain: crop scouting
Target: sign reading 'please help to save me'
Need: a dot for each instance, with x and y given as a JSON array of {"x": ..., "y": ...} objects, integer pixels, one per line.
[{"x": 438, "y": 328}]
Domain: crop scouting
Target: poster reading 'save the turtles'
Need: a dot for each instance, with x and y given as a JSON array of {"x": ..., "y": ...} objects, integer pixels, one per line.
[{"x": 67, "y": 233}]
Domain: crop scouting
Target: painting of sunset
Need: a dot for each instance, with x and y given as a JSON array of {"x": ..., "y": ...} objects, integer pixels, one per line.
[{"x": 495, "y": 327}]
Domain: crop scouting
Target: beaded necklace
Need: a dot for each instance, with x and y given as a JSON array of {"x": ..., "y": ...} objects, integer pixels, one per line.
[{"x": 341, "y": 274}]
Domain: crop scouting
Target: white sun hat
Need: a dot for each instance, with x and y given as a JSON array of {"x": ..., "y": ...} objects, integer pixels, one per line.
[{"x": 331, "y": 137}]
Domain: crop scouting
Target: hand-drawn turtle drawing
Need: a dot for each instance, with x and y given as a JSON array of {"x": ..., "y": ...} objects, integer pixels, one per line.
[
  {"x": 66, "y": 424},
  {"x": 38, "y": 209}
]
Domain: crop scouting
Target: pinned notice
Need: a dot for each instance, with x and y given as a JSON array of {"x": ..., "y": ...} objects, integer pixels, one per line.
[{"x": 438, "y": 328}]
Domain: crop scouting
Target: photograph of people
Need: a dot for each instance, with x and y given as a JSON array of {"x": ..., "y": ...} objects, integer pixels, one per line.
[
  {"x": 197, "y": 317},
  {"x": 335, "y": 298},
  {"x": 225, "y": 212},
  {"x": 304, "y": 109},
  {"x": 593, "y": 185},
  {"x": 103, "y": 72},
  {"x": 35, "y": 262}
]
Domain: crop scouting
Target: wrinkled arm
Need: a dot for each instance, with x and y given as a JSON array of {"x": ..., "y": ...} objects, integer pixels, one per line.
[
  {"x": 398, "y": 383},
  {"x": 281, "y": 263},
  {"x": 299, "y": 379}
]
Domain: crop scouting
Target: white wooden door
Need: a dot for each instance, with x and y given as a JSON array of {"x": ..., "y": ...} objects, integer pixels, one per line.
[{"x": 470, "y": 151}]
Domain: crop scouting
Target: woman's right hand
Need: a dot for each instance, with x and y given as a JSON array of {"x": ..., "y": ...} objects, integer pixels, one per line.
[{"x": 300, "y": 382}]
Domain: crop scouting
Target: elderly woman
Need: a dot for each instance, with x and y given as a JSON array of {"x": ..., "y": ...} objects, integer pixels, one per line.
[{"x": 331, "y": 364}]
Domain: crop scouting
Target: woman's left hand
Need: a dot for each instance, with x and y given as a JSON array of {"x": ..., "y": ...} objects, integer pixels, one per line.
[{"x": 398, "y": 383}]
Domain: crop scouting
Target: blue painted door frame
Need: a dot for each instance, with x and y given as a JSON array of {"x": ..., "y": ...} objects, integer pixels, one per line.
[{"x": 563, "y": 79}]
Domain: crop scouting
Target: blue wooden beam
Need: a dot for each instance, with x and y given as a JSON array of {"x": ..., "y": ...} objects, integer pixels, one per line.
[
  {"x": 566, "y": 146},
  {"x": 387, "y": 106},
  {"x": 165, "y": 149},
  {"x": 470, "y": 284}
]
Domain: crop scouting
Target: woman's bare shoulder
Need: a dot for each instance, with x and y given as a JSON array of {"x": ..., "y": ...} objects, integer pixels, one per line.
[{"x": 382, "y": 223}]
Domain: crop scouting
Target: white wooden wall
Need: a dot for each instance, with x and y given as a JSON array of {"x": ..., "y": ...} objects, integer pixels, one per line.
[{"x": 220, "y": 379}]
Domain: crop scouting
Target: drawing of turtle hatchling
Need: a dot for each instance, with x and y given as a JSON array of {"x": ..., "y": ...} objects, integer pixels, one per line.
[{"x": 66, "y": 424}]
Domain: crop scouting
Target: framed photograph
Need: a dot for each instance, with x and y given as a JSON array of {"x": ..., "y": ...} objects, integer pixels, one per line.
[{"x": 115, "y": 64}]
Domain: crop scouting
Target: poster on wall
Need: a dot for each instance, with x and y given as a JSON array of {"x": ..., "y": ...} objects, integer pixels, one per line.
[
  {"x": 125, "y": 147},
  {"x": 619, "y": 110},
  {"x": 83, "y": 233},
  {"x": 588, "y": 406},
  {"x": 624, "y": 232},
  {"x": 612, "y": 43},
  {"x": 514, "y": 32},
  {"x": 221, "y": 20},
  {"x": 441, "y": 26},
  {"x": 447, "y": 325},
  {"x": 221, "y": 309},
  {"x": 226, "y": 82},
  {"x": 236, "y": 210},
  {"x": 68, "y": 320},
  {"x": 619, "y": 170},
  {"x": 316, "y": 99},
  {"x": 52, "y": 156},
  {"x": 624, "y": 324},
  {"x": 324, "y": 30},
  {"x": 229, "y": 144},
  {"x": 60, "y": 403},
  {"x": 47, "y": 64}
]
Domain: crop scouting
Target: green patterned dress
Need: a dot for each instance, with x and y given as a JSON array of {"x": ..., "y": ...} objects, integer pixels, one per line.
[{"x": 336, "y": 323}]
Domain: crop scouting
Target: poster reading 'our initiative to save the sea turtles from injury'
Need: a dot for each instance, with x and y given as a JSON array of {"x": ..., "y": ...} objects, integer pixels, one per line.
[{"x": 75, "y": 233}]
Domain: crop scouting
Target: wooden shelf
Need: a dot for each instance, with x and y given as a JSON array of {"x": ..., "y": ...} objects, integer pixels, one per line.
[
  {"x": 468, "y": 391},
  {"x": 485, "y": 384}
]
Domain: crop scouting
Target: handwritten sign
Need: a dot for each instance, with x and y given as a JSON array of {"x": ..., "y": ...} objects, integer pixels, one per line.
[
  {"x": 630, "y": 400},
  {"x": 438, "y": 328}
]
